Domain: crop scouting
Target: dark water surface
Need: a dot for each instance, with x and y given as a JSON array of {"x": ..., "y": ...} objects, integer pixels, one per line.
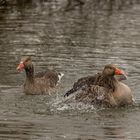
[{"x": 79, "y": 41}]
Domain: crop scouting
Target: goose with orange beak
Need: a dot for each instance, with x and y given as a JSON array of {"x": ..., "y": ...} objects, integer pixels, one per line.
[
  {"x": 38, "y": 83},
  {"x": 103, "y": 89}
]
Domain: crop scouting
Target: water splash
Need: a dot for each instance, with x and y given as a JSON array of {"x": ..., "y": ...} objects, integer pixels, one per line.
[{"x": 60, "y": 104}]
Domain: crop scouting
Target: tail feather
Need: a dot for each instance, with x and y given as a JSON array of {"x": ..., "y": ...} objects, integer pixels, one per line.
[{"x": 60, "y": 75}]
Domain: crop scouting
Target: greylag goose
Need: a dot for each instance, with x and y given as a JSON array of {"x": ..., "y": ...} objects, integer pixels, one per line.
[
  {"x": 103, "y": 89},
  {"x": 41, "y": 82}
]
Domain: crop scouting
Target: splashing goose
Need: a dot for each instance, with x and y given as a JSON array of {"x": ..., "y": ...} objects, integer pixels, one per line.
[{"x": 103, "y": 88}]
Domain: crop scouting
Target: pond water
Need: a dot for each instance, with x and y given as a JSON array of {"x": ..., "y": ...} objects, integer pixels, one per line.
[{"x": 77, "y": 40}]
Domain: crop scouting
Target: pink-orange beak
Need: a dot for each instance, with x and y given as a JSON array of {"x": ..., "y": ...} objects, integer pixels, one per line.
[
  {"x": 120, "y": 72},
  {"x": 20, "y": 67}
]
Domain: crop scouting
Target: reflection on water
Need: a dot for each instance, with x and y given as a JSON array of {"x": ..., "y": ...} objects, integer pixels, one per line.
[
  {"x": 77, "y": 39},
  {"x": 19, "y": 130},
  {"x": 114, "y": 132}
]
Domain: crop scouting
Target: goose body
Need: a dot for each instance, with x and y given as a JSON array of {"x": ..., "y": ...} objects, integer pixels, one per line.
[
  {"x": 104, "y": 89},
  {"x": 41, "y": 82}
]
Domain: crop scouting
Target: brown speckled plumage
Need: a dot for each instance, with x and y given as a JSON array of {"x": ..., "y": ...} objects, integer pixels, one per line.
[{"x": 102, "y": 89}]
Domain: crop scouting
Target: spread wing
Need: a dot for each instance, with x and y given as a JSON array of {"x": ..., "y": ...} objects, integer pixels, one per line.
[{"x": 82, "y": 83}]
